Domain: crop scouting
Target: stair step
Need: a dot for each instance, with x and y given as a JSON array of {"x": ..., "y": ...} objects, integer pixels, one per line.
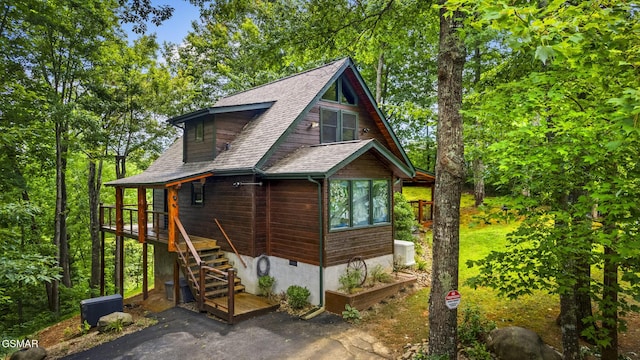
[
  {"x": 218, "y": 260},
  {"x": 200, "y": 246},
  {"x": 223, "y": 292},
  {"x": 218, "y": 283}
]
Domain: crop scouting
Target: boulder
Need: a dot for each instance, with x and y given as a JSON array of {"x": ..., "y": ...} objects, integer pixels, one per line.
[
  {"x": 114, "y": 320},
  {"x": 33, "y": 353},
  {"x": 516, "y": 343}
]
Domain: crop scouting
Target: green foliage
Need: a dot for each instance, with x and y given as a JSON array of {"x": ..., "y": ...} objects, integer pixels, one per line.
[
  {"x": 350, "y": 280},
  {"x": 265, "y": 284},
  {"x": 404, "y": 218},
  {"x": 351, "y": 314},
  {"x": 379, "y": 274},
  {"x": 474, "y": 328},
  {"x": 116, "y": 326},
  {"x": 297, "y": 296}
]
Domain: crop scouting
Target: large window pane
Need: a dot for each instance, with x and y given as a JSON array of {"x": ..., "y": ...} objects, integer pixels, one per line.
[
  {"x": 331, "y": 93},
  {"x": 349, "y": 126},
  {"x": 361, "y": 201},
  {"x": 339, "y": 195},
  {"x": 329, "y": 125},
  {"x": 380, "y": 201}
]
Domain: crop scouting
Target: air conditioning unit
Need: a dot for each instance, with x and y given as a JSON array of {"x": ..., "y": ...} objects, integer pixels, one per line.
[{"x": 404, "y": 253}]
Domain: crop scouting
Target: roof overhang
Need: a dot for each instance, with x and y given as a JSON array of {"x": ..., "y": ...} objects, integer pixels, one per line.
[{"x": 219, "y": 110}]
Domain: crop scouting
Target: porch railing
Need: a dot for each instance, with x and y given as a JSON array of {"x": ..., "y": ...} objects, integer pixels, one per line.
[
  {"x": 423, "y": 210},
  {"x": 130, "y": 219}
]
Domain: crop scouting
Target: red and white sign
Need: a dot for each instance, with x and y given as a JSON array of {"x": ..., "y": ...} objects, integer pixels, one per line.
[{"x": 452, "y": 300}]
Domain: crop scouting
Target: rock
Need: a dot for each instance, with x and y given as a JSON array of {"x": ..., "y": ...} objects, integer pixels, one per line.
[
  {"x": 114, "y": 320},
  {"x": 33, "y": 353},
  {"x": 516, "y": 343}
]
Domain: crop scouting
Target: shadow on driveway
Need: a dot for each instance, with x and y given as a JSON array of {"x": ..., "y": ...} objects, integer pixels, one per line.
[{"x": 183, "y": 334}]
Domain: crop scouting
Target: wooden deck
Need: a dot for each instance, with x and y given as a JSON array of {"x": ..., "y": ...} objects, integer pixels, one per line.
[{"x": 246, "y": 306}]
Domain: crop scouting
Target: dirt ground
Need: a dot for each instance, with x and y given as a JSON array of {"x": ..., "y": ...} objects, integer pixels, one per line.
[{"x": 67, "y": 337}]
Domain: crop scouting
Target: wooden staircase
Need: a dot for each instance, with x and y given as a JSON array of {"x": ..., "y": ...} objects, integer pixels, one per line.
[
  {"x": 213, "y": 280},
  {"x": 211, "y": 256}
]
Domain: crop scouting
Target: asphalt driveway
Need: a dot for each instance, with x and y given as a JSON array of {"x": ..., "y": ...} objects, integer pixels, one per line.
[{"x": 183, "y": 334}]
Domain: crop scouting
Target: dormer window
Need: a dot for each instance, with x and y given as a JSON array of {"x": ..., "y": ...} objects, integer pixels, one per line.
[
  {"x": 341, "y": 92},
  {"x": 199, "y": 131}
]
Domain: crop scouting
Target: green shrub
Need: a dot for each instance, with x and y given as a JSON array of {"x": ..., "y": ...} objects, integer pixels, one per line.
[
  {"x": 378, "y": 274},
  {"x": 474, "y": 327},
  {"x": 351, "y": 314},
  {"x": 350, "y": 280},
  {"x": 265, "y": 284},
  {"x": 404, "y": 218},
  {"x": 297, "y": 296}
]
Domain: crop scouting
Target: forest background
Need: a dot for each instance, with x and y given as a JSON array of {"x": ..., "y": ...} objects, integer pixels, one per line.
[{"x": 551, "y": 103}]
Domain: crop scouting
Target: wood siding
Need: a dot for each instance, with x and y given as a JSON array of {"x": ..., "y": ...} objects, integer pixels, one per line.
[
  {"x": 368, "y": 242},
  {"x": 232, "y": 206},
  {"x": 293, "y": 212},
  {"x": 199, "y": 150},
  {"x": 307, "y": 131},
  {"x": 229, "y": 125}
]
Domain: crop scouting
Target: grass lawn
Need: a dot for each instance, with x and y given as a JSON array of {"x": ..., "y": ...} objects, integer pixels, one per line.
[{"x": 405, "y": 320}]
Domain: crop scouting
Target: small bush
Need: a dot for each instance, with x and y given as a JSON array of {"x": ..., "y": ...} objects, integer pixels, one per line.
[
  {"x": 265, "y": 284},
  {"x": 297, "y": 296},
  {"x": 351, "y": 314},
  {"x": 474, "y": 327},
  {"x": 378, "y": 274},
  {"x": 350, "y": 280},
  {"x": 404, "y": 219}
]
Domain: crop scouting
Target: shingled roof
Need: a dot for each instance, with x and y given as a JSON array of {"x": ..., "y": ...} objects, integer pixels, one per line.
[{"x": 284, "y": 102}]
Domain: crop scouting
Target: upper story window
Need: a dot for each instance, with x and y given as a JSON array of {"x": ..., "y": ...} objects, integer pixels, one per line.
[
  {"x": 341, "y": 92},
  {"x": 358, "y": 203},
  {"x": 199, "y": 131},
  {"x": 338, "y": 125}
]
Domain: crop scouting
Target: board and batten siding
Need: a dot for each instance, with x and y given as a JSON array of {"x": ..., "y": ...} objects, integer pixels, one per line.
[
  {"x": 294, "y": 225},
  {"x": 232, "y": 206},
  {"x": 367, "y": 242},
  {"x": 199, "y": 150}
]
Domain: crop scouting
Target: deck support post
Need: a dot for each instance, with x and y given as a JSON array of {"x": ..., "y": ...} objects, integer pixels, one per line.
[
  {"x": 172, "y": 200},
  {"x": 119, "y": 256},
  {"x": 145, "y": 278},
  {"x": 176, "y": 283},
  {"x": 101, "y": 263},
  {"x": 231, "y": 278},
  {"x": 142, "y": 214}
]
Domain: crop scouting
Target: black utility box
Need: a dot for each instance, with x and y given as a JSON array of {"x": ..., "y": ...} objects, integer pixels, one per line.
[{"x": 91, "y": 310}]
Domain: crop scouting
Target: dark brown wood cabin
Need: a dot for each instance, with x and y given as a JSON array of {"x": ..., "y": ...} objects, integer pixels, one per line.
[{"x": 293, "y": 178}]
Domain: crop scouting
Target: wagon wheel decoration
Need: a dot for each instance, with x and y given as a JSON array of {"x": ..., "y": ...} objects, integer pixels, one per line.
[{"x": 357, "y": 263}]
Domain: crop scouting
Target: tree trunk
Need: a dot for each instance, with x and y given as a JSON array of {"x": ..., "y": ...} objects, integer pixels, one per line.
[
  {"x": 60, "y": 226},
  {"x": 448, "y": 187},
  {"x": 379, "y": 72},
  {"x": 610, "y": 306},
  {"x": 94, "y": 184},
  {"x": 478, "y": 181},
  {"x": 568, "y": 325}
]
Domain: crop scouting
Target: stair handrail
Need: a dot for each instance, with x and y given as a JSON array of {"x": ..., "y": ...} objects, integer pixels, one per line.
[
  {"x": 230, "y": 243},
  {"x": 185, "y": 257}
]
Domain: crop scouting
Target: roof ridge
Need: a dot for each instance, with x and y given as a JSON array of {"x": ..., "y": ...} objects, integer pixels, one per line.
[{"x": 284, "y": 78}]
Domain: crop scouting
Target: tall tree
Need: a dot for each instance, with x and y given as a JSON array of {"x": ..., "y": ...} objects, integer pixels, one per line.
[{"x": 450, "y": 174}]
